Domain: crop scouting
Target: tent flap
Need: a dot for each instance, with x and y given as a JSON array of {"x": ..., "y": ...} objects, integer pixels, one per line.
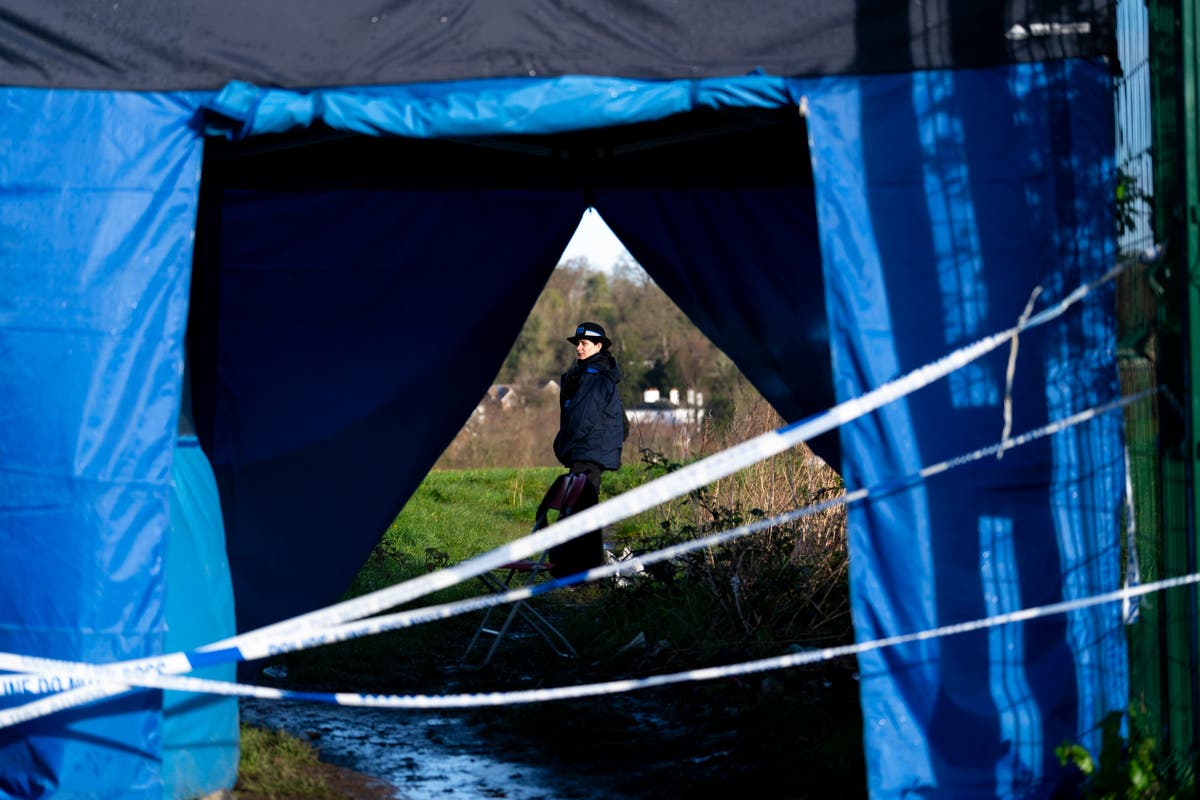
[{"x": 340, "y": 364}]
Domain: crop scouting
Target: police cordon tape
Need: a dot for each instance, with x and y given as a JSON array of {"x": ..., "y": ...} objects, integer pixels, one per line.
[
  {"x": 306, "y": 628},
  {"x": 54, "y": 675},
  {"x": 478, "y": 699},
  {"x": 50, "y": 675}
]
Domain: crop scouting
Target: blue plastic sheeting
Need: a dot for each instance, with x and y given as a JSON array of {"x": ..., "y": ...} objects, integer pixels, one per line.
[
  {"x": 199, "y": 731},
  {"x": 944, "y": 199},
  {"x": 98, "y": 197},
  {"x": 485, "y": 107}
]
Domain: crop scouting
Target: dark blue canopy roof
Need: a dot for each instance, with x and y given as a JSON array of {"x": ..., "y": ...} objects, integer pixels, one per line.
[{"x": 204, "y": 44}]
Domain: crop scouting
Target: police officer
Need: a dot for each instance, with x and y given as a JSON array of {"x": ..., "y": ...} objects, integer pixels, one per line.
[{"x": 592, "y": 423}]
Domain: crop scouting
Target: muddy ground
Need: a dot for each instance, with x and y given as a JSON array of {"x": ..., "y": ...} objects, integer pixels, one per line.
[{"x": 782, "y": 734}]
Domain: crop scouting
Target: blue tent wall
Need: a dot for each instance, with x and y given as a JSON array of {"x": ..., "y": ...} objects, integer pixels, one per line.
[
  {"x": 944, "y": 200},
  {"x": 97, "y": 222}
]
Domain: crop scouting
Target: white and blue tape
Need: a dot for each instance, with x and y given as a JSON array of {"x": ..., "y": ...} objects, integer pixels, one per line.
[{"x": 332, "y": 623}]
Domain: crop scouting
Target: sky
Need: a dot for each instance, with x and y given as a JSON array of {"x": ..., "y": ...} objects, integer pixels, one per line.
[{"x": 593, "y": 240}]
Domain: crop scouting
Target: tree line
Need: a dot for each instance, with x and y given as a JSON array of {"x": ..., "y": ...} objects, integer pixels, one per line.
[{"x": 656, "y": 345}]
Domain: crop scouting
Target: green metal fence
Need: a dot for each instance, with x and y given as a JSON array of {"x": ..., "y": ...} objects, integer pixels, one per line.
[{"x": 1159, "y": 344}]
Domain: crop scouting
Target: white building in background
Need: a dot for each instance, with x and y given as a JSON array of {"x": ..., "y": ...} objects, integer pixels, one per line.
[{"x": 654, "y": 409}]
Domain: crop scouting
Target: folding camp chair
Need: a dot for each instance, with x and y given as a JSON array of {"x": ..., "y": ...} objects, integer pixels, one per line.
[{"x": 568, "y": 493}]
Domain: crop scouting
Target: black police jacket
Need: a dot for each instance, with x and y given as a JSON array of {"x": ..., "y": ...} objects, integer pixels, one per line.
[{"x": 591, "y": 417}]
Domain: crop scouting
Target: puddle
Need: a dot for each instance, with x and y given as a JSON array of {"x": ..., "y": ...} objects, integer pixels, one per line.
[{"x": 423, "y": 754}]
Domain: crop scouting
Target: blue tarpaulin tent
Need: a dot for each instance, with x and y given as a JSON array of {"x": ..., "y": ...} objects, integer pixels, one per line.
[{"x": 340, "y": 217}]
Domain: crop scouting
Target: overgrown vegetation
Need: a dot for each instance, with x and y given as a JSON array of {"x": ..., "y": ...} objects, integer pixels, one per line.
[
  {"x": 1127, "y": 770},
  {"x": 779, "y": 588},
  {"x": 277, "y": 766}
]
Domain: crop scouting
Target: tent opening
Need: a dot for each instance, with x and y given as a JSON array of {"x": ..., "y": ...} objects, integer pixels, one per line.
[{"x": 353, "y": 298}]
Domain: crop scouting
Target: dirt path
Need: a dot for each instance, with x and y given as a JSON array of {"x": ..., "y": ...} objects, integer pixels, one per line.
[
  {"x": 424, "y": 755},
  {"x": 793, "y": 733},
  {"x": 681, "y": 742}
]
